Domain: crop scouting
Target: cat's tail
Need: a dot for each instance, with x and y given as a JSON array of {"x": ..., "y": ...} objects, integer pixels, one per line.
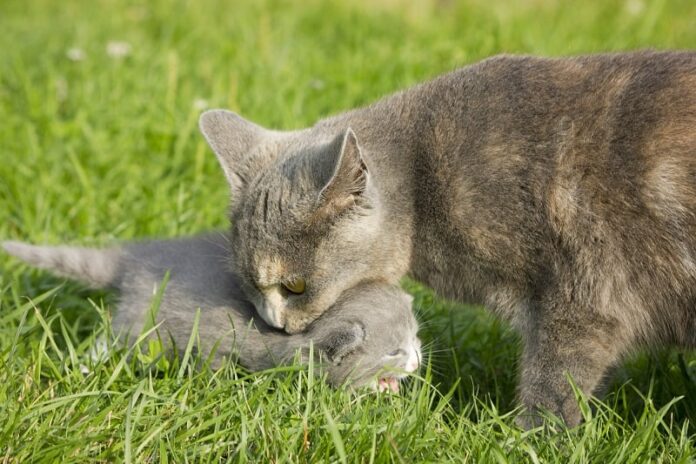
[{"x": 98, "y": 268}]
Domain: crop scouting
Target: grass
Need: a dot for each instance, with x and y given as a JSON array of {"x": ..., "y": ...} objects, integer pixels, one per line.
[{"x": 102, "y": 148}]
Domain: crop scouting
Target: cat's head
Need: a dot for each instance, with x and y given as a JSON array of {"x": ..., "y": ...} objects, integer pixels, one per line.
[
  {"x": 307, "y": 223},
  {"x": 369, "y": 337}
]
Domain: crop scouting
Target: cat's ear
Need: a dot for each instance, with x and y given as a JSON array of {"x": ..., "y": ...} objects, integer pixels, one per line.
[
  {"x": 341, "y": 342},
  {"x": 232, "y": 137},
  {"x": 348, "y": 174}
]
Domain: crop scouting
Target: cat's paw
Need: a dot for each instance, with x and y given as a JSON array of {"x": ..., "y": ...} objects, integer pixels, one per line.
[{"x": 535, "y": 417}]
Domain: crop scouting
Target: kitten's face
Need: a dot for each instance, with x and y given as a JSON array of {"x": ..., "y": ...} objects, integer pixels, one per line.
[{"x": 370, "y": 337}]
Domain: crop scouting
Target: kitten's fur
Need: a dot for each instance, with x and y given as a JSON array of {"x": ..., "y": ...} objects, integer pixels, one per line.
[
  {"x": 371, "y": 328},
  {"x": 560, "y": 193}
]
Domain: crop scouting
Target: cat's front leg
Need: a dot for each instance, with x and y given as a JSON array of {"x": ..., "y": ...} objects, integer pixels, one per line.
[{"x": 566, "y": 340}]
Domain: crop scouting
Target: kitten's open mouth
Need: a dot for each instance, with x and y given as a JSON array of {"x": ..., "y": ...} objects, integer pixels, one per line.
[{"x": 390, "y": 384}]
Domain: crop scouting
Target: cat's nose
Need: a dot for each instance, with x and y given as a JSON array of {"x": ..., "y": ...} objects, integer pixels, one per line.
[
  {"x": 413, "y": 361},
  {"x": 271, "y": 315}
]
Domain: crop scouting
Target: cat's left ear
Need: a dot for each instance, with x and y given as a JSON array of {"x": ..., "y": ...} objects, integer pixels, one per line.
[
  {"x": 341, "y": 342},
  {"x": 349, "y": 174},
  {"x": 232, "y": 138}
]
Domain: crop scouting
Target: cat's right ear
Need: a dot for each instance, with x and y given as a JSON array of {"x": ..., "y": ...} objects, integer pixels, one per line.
[
  {"x": 348, "y": 175},
  {"x": 232, "y": 137}
]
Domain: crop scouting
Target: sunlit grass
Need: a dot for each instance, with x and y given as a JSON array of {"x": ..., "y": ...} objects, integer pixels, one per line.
[{"x": 99, "y": 143}]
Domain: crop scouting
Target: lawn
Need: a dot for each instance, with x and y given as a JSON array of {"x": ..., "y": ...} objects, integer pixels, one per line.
[{"x": 99, "y": 102}]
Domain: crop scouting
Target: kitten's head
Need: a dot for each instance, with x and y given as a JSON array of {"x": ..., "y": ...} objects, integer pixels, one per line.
[
  {"x": 369, "y": 337},
  {"x": 306, "y": 217}
]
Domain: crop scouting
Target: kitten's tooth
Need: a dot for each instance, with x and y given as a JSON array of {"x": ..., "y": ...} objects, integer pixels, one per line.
[
  {"x": 388, "y": 384},
  {"x": 394, "y": 384}
]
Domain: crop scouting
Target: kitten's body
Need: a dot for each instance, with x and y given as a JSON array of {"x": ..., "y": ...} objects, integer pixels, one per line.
[
  {"x": 356, "y": 337},
  {"x": 560, "y": 193}
]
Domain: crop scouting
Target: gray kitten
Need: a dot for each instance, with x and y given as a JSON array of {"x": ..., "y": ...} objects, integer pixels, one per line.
[
  {"x": 370, "y": 330},
  {"x": 560, "y": 193}
]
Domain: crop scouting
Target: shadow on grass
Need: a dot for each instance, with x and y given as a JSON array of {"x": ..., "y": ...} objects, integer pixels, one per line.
[{"x": 480, "y": 354}]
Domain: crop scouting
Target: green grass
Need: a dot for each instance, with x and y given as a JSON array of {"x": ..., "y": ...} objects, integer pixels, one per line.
[{"x": 105, "y": 149}]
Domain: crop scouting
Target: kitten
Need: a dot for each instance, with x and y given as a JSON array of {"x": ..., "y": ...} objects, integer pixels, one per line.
[
  {"x": 560, "y": 193},
  {"x": 370, "y": 331}
]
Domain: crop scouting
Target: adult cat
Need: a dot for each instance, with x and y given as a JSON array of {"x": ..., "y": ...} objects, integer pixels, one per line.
[
  {"x": 370, "y": 332},
  {"x": 560, "y": 193}
]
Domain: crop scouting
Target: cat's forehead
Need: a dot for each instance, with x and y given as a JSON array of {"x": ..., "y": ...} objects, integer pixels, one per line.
[
  {"x": 270, "y": 265},
  {"x": 297, "y": 165},
  {"x": 390, "y": 334},
  {"x": 282, "y": 190},
  {"x": 387, "y": 310},
  {"x": 269, "y": 268},
  {"x": 274, "y": 209}
]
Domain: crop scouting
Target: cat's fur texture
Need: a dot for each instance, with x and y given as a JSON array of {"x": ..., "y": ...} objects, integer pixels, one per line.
[
  {"x": 560, "y": 193},
  {"x": 370, "y": 332}
]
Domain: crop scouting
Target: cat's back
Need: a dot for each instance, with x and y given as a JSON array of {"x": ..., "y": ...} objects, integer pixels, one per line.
[
  {"x": 615, "y": 129},
  {"x": 189, "y": 274},
  {"x": 611, "y": 135},
  {"x": 528, "y": 95},
  {"x": 530, "y": 160},
  {"x": 571, "y": 78},
  {"x": 193, "y": 273}
]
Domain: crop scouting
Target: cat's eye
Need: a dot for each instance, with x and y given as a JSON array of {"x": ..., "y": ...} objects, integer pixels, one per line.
[
  {"x": 295, "y": 286},
  {"x": 398, "y": 352}
]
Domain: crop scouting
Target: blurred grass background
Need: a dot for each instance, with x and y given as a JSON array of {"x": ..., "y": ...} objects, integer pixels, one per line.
[{"x": 99, "y": 103}]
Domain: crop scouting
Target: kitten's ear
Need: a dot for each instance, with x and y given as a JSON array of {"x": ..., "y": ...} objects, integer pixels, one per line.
[
  {"x": 341, "y": 342},
  {"x": 231, "y": 137},
  {"x": 348, "y": 179}
]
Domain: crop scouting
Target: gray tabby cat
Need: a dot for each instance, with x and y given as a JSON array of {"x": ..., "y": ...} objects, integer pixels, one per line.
[
  {"x": 370, "y": 330},
  {"x": 560, "y": 193}
]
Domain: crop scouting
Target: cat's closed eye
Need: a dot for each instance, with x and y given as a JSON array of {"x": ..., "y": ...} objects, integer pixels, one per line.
[{"x": 398, "y": 352}]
